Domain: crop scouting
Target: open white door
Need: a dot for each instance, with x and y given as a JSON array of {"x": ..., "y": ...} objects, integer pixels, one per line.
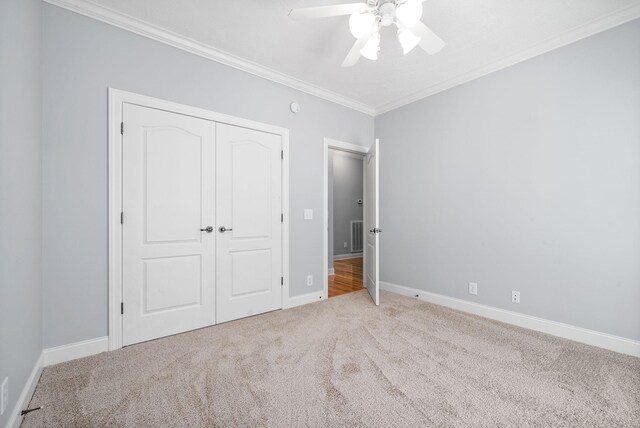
[{"x": 371, "y": 216}]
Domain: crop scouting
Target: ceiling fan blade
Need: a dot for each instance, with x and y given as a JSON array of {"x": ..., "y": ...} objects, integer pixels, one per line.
[
  {"x": 430, "y": 41},
  {"x": 354, "y": 54},
  {"x": 327, "y": 11}
]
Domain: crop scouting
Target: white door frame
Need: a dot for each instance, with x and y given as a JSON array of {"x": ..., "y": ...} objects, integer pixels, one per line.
[
  {"x": 116, "y": 100},
  {"x": 339, "y": 145}
]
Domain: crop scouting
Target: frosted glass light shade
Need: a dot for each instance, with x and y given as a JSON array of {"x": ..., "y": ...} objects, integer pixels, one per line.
[
  {"x": 409, "y": 13},
  {"x": 361, "y": 24},
  {"x": 408, "y": 40},
  {"x": 370, "y": 50}
]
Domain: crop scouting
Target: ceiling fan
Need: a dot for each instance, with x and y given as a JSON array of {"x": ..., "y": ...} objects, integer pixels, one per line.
[{"x": 367, "y": 18}]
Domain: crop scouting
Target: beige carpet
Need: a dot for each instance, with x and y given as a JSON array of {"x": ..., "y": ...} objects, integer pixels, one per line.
[{"x": 344, "y": 362}]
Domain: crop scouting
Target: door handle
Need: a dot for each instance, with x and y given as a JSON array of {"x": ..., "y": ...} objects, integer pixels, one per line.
[
  {"x": 375, "y": 230},
  {"x": 207, "y": 229},
  {"x": 223, "y": 229}
]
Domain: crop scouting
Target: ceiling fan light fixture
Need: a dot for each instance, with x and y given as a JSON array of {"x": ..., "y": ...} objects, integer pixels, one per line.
[
  {"x": 408, "y": 40},
  {"x": 370, "y": 50},
  {"x": 409, "y": 12},
  {"x": 368, "y": 18},
  {"x": 362, "y": 24}
]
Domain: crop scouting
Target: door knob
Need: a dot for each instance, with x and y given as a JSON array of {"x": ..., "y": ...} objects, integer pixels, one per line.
[
  {"x": 223, "y": 229},
  {"x": 375, "y": 230},
  {"x": 207, "y": 229}
]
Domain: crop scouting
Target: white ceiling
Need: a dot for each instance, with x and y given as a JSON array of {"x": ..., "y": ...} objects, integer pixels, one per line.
[{"x": 481, "y": 36}]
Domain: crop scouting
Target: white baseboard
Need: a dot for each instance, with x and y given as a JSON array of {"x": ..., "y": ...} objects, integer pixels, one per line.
[
  {"x": 304, "y": 299},
  {"x": 347, "y": 256},
  {"x": 332, "y": 271},
  {"x": 15, "y": 418},
  {"x": 73, "y": 351},
  {"x": 566, "y": 331}
]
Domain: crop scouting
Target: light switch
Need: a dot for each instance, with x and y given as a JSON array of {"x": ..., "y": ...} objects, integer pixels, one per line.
[{"x": 308, "y": 214}]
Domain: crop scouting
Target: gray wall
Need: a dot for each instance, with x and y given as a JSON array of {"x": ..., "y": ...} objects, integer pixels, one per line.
[
  {"x": 527, "y": 179},
  {"x": 347, "y": 188},
  {"x": 81, "y": 59},
  {"x": 20, "y": 194}
]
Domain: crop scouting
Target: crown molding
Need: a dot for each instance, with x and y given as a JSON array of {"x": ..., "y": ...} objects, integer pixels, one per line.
[
  {"x": 151, "y": 31},
  {"x": 142, "y": 28},
  {"x": 595, "y": 26}
]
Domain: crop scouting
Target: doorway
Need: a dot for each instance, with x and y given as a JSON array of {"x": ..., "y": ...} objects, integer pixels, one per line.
[
  {"x": 346, "y": 214},
  {"x": 350, "y": 227}
]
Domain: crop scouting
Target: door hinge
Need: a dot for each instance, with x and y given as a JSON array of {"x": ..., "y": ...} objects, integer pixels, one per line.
[
  {"x": 281, "y": 154},
  {"x": 121, "y": 308},
  {"x": 282, "y": 280},
  {"x": 281, "y": 218},
  {"x": 121, "y": 217},
  {"x": 121, "y": 128}
]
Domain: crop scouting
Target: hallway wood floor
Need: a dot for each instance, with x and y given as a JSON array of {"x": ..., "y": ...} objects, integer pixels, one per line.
[{"x": 348, "y": 277}]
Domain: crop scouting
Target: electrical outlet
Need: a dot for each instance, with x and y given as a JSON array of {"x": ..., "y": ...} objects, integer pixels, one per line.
[
  {"x": 473, "y": 288},
  {"x": 4, "y": 395},
  {"x": 309, "y": 280},
  {"x": 345, "y": 245},
  {"x": 308, "y": 214},
  {"x": 515, "y": 296}
]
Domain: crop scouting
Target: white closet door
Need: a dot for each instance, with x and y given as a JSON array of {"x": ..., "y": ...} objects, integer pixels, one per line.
[
  {"x": 168, "y": 197},
  {"x": 248, "y": 209}
]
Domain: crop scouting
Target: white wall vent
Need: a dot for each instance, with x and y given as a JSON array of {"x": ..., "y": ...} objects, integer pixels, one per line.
[{"x": 356, "y": 236}]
